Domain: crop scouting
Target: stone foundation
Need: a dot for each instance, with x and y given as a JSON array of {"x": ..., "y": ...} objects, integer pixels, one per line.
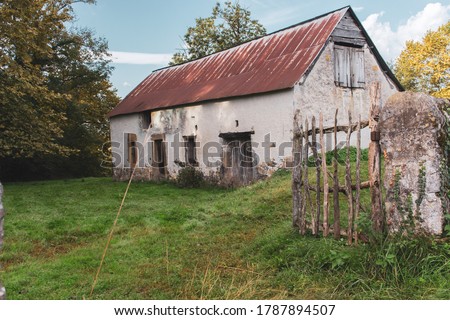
[
  {"x": 213, "y": 177},
  {"x": 413, "y": 130},
  {"x": 140, "y": 174}
]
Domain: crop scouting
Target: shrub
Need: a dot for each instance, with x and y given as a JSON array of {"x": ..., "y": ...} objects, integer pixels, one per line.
[{"x": 190, "y": 177}]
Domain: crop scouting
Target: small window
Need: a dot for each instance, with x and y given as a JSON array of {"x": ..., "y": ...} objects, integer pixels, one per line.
[
  {"x": 132, "y": 150},
  {"x": 190, "y": 152},
  {"x": 349, "y": 67},
  {"x": 146, "y": 117},
  {"x": 159, "y": 156}
]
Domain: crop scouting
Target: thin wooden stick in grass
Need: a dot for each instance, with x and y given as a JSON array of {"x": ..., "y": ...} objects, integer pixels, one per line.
[
  {"x": 111, "y": 233},
  {"x": 358, "y": 177},
  {"x": 337, "y": 213},
  {"x": 317, "y": 164},
  {"x": 325, "y": 179},
  {"x": 108, "y": 242},
  {"x": 348, "y": 183}
]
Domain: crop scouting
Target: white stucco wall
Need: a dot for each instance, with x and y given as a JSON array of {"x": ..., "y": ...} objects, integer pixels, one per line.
[
  {"x": 318, "y": 93},
  {"x": 266, "y": 114}
]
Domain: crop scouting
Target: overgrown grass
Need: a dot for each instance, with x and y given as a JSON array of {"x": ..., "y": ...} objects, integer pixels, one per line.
[{"x": 174, "y": 243}]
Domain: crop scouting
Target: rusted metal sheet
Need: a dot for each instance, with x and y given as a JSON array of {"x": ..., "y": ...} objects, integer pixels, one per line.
[{"x": 274, "y": 62}]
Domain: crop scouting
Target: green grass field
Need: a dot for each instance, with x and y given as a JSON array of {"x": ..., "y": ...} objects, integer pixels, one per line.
[{"x": 173, "y": 243}]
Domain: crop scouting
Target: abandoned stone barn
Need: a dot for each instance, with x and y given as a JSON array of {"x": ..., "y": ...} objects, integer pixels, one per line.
[{"x": 231, "y": 113}]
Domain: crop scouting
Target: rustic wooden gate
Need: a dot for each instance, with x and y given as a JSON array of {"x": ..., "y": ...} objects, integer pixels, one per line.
[{"x": 311, "y": 201}]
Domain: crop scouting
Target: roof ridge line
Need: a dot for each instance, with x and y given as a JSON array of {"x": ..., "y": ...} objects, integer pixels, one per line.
[{"x": 257, "y": 38}]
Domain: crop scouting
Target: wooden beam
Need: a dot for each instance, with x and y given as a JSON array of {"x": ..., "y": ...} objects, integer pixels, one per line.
[
  {"x": 343, "y": 189},
  {"x": 340, "y": 128}
]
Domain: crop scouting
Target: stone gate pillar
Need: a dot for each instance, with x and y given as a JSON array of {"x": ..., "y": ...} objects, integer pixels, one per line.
[
  {"x": 2, "y": 214},
  {"x": 414, "y": 137}
]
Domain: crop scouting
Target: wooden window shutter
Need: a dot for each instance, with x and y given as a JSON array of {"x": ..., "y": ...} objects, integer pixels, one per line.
[
  {"x": 190, "y": 152},
  {"x": 357, "y": 68},
  {"x": 341, "y": 66},
  {"x": 132, "y": 149}
]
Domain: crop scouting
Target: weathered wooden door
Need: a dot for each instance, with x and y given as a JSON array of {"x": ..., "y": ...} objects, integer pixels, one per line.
[
  {"x": 238, "y": 159},
  {"x": 159, "y": 158}
]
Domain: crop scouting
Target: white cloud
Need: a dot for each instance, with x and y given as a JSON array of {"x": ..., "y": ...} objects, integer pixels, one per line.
[
  {"x": 277, "y": 16},
  {"x": 391, "y": 42},
  {"x": 259, "y": 3},
  {"x": 140, "y": 58},
  {"x": 126, "y": 84},
  {"x": 358, "y": 9}
]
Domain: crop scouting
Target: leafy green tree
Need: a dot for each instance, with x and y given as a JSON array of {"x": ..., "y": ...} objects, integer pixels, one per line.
[
  {"x": 425, "y": 65},
  {"x": 228, "y": 26},
  {"x": 54, "y": 85}
]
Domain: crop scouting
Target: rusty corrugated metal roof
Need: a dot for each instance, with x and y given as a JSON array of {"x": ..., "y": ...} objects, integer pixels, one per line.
[{"x": 273, "y": 62}]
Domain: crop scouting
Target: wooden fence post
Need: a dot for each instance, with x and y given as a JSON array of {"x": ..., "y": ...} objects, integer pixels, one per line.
[
  {"x": 374, "y": 158},
  {"x": 337, "y": 212},
  {"x": 358, "y": 178},
  {"x": 325, "y": 179},
  {"x": 297, "y": 197},
  {"x": 317, "y": 164},
  {"x": 348, "y": 183},
  {"x": 307, "y": 198}
]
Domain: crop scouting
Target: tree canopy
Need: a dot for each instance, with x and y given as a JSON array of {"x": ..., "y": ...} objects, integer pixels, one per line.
[
  {"x": 228, "y": 26},
  {"x": 54, "y": 83},
  {"x": 425, "y": 65}
]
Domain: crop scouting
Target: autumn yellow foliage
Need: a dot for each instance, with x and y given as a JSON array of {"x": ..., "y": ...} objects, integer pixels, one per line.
[{"x": 424, "y": 66}]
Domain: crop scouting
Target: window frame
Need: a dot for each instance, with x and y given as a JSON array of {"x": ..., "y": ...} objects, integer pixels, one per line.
[
  {"x": 350, "y": 60},
  {"x": 146, "y": 120},
  {"x": 132, "y": 156},
  {"x": 190, "y": 151}
]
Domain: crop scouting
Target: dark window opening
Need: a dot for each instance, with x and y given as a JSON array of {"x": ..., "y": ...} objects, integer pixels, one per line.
[
  {"x": 349, "y": 66},
  {"x": 146, "y": 119},
  {"x": 190, "y": 151},
  {"x": 159, "y": 159}
]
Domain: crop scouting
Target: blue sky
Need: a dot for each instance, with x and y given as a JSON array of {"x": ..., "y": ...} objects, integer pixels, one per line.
[{"x": 143, "y": 34}]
